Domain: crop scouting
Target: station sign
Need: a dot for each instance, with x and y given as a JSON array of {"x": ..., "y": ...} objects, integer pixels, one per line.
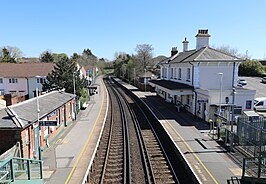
[{"x": 48, "y": 123}]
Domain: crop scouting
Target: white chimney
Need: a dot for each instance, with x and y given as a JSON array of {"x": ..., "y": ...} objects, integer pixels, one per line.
[
  {"x": 202, "y": 39},
  {"x": 185, "y": 45}
]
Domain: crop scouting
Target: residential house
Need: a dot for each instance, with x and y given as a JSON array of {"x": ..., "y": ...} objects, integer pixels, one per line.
[
  {"x": 23, "y": 78},
  {"x": 203, "y": 80},
  {"x": 34, "y": 129}
]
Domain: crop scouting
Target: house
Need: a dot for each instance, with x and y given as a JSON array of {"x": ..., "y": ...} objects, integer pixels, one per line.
[
  {"x": 34, "y": 129},
  {"x": 203, "y": 80},
  {"x": 23, "y": 78}
]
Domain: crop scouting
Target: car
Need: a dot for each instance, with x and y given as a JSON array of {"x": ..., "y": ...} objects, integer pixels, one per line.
[
  {"x": 263, "y": 80},
  {"x": 242, "y": 82}
]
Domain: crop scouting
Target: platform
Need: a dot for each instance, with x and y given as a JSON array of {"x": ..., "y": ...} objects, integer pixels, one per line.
[
  {"x": 210, "y": 162},
  {"x": 68, "y": 158}
]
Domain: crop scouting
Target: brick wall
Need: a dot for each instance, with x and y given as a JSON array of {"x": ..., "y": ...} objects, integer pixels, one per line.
[{"x": 8, "y": 138}]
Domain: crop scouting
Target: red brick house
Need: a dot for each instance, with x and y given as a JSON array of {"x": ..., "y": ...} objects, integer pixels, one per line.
[{"x": 19, "y": 122}]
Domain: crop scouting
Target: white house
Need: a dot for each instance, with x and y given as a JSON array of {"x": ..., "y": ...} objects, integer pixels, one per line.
[
  {"x": 203, "y": 80},
  {"x": 23, "y": 78}
]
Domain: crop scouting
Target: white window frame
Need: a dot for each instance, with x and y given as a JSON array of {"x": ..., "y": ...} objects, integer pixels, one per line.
[
  {"x": 179, "y": 73},
  {"x": 13, "y": 80},
  {"x": 188, "y": 74},
  {"x": 172, "y": 73}
]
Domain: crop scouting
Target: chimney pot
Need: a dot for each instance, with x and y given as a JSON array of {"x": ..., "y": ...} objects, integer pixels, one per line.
[
  {"x": 185, "y": 45},
  {"x": 174, "y": 51},
  {"x": 202, "y": 38}
]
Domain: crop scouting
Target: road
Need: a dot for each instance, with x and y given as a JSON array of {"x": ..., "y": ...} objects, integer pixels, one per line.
[{"x": 255, "y": 84}]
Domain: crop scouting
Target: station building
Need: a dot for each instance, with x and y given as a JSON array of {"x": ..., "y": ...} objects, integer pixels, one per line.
[
  {"x": 34, "y": 131},
  {"x": 203, "y": 80}
]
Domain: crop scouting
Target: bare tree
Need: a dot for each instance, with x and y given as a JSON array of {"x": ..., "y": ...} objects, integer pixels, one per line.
[
  {"x": 13, "y": 52},
  {"x": 232, "y": 51},
  {"x": 144, "y": 54}
]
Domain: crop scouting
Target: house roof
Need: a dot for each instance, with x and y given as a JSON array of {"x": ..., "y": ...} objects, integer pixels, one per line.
[
  {"x": 171, "y": 84},
  {"x": 25, "y": 69},
  {"x": 147, "y": 74},
  {"x": 22, "y": 114},
  {"x": 205, "y": 54}
]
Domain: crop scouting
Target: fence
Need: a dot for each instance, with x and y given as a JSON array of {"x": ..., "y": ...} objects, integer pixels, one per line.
[
  {"x": 251, "y": 135},
  {"x": 20, "y": 169}
]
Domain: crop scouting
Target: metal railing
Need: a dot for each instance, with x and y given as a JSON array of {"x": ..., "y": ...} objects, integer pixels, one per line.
[{"x": 20, "y": 169}]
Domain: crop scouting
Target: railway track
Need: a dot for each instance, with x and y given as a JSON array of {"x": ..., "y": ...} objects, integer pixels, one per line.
[
  {"x": 158, "y": 168},
  {"x": 113, "y": 158},
  {"x": 116, "y": 161}
]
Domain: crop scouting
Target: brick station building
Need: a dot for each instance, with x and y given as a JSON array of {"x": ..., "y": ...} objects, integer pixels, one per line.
[{"x": 19, "y": 122}]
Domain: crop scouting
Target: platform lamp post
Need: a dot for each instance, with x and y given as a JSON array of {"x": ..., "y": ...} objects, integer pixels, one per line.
[
  {"x": 221, "y": 89},
  {"x": 145, "y": 78},
  {"x": 37, "y": 126},
  {"x": 220, "y": 102},
  {"x": 232, "y": 121},
  {"x": 74, "y": 92}
]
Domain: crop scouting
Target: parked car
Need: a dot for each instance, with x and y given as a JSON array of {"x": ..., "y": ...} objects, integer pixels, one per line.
[
  {"x": 242, "y": 82},
  {"x": 263, "y": 80},
  {"x": 260, "y": 104}
]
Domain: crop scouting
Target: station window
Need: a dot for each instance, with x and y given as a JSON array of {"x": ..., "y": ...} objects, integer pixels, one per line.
[
  {"x": 188, "y": 74},
  {"x": 248, "y": 104}
]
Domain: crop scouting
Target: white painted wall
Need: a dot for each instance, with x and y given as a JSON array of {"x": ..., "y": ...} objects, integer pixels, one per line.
[
  {"x": 20, "y": 86},
  {"x": 183, "y": 67},
  {"x": 202, "y": 42},
  {"x": 209, "y": 78},
  {"x": 33, "y": 85}
]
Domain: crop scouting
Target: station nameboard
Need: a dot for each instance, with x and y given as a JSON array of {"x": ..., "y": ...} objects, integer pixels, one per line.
[{"x": 48, "y": 123}]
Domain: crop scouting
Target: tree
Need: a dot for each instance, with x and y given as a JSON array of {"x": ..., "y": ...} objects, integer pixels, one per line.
[
  {"x": 59, "y": 56},
  {"x": 251, "y": 68},
  {"x": 10, "y": 54},
  {"x": 63, "y": 75},
  {"x": 232, "y": 51},
  {"x": 46, "y": 57},
  {"x": 144, "y": 54}
]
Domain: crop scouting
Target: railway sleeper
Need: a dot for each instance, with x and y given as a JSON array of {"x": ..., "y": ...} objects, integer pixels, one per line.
[
  {"x": 152, "y": 146},
  {"x": 113, "y": 180},
  {"x": 115, "y": 161},
  {"x": 163, "y": 176},
  {"x": 156, "y": 162}
]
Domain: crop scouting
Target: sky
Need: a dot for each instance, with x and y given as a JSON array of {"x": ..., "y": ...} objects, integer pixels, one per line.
[{"x": 106, "y": 27}]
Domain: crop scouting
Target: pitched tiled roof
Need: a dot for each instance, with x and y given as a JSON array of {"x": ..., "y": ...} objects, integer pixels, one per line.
[
  {"x": 25, "y": 69},
  {"x": 205, "y": 54},
  {"x": 22, "y": 114}
]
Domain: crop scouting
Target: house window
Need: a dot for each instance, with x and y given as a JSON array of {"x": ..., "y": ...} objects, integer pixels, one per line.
[
  {"x": 40, "y": 80},
  {"x": 172, "y": 73},
  {"x": 188, "y": 74},
  {"x": 175, "y": 74},
  {"x": 188, "y": 100},
  {"x": 13, "y": 80},
  {"x": 179, "y": 73},
  {"x": 248, "y": 104},
  {"x": 1, "y": 80}
]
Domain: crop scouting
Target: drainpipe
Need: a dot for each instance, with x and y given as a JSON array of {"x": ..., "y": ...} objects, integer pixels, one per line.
[
  {"x": 192, "y": 78},
  {"x": 195, "y": 103}
]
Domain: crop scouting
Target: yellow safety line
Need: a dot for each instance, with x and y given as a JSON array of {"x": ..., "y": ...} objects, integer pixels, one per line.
[
  {"x": 191, "y": 150},
  {"x": 84, "y": 147}
]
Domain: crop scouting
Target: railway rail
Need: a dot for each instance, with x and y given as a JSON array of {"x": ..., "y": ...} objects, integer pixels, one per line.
[{"x": 130, "y": 150}]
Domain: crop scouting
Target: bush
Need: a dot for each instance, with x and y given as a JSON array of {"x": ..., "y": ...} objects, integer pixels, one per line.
[{"x": 251, "y": 68}]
